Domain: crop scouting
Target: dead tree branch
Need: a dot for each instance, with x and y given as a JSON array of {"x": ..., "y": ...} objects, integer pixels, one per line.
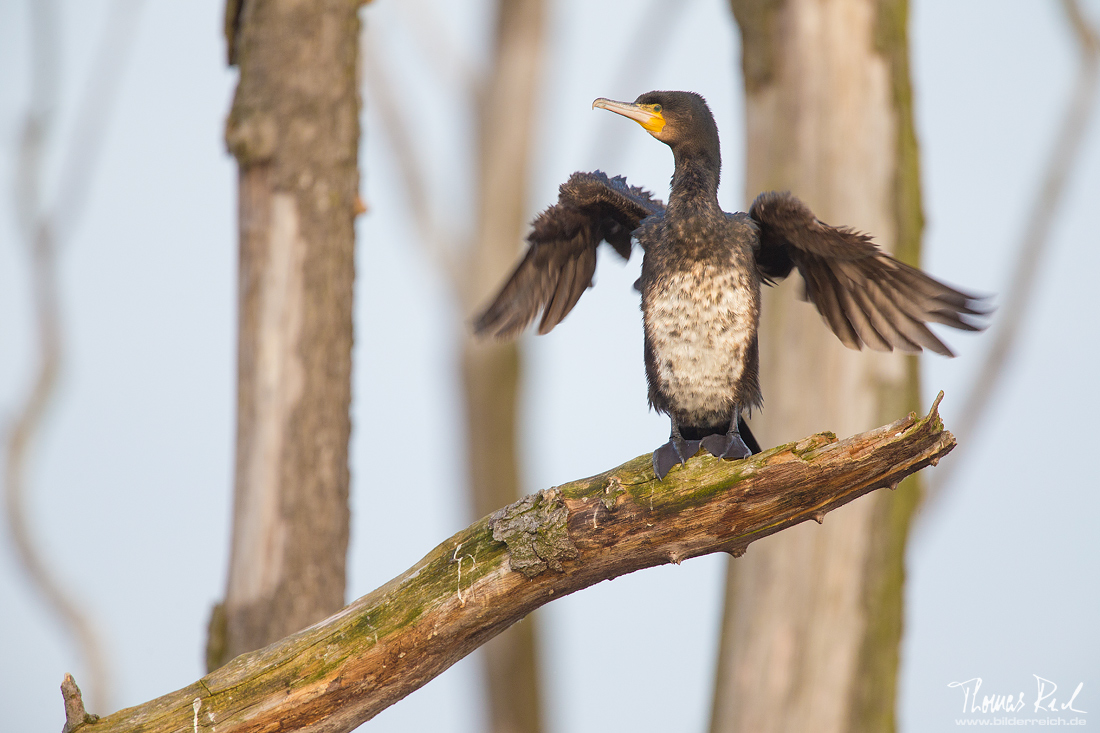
[
  {"x": 439, "y": 243},
  {"x": 344, "y": 670}
]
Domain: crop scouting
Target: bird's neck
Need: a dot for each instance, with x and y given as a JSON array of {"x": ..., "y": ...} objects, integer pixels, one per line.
[{"x": 696, "y": 178}]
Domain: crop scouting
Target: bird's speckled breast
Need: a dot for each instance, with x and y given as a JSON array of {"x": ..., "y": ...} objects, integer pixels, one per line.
[{"x": 701, "y": 312}]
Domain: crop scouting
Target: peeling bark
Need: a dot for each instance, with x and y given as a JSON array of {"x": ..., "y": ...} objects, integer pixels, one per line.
[{"x": 536, "y": 531}]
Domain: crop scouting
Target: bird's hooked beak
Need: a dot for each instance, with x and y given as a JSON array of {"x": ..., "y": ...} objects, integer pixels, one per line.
[{"x": 647, "y": 115}]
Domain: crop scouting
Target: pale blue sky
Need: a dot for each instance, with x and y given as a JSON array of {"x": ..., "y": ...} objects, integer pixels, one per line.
[{"x": 132, "y": 480}]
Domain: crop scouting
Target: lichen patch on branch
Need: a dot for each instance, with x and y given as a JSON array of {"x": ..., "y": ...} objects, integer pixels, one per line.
[{"x": 535, "y": 528}]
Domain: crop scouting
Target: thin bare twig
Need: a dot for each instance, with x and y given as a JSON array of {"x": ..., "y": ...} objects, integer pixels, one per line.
[
  {"x": 1029, "y": 261},
  {"x": 93, "y": 114},
  {"x": 434, "y": 44},
  {"x": 636, "y": 68},
  {"x": 44, "y": 228},
  {"x": 439, "y": 246}
]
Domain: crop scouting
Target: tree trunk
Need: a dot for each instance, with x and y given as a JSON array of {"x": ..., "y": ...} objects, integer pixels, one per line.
[
  {"x": 491, "y": 369},
  {"x": 813, "y": 617},
  {"x": 294, "y": 130}
]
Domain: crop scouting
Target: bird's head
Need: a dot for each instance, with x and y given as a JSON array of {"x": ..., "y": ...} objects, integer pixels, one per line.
[{"x": 681, "y": 120}]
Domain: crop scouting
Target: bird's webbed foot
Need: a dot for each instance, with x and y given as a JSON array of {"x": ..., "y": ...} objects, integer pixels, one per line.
[
  {"x": 729, "y": 446},
  {"x": 676, "y": 450}
]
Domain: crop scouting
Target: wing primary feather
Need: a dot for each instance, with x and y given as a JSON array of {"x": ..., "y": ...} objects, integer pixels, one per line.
[
  {"x": 872, "y": 301},
  {"x": 859, "y": 317},
  {"x": 943, "y": 294},
  {"x": 892, "y": 304},
  {"x": 822, "y": 292},
  {"x": 515, "y": 305},
  {"x": 555, "y": 308},
  {"x": 889, "y": 321}
]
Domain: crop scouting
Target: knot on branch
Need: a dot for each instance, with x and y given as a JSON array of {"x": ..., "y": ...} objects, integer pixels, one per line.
[
  {"x": 535, "y": 528},
  {"x": 252, "y": 138}
]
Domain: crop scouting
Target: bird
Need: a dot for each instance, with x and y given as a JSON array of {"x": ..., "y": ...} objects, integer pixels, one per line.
[{"x": 701, "y": 279}]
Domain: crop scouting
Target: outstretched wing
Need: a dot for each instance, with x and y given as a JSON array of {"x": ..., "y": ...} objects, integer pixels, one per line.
[
  {"x": 561, "y": 256},
  {"x": 866, "y": 296}
]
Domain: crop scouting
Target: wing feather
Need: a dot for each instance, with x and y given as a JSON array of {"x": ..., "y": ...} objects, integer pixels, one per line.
[
  {"x": 856, "y": 310},
  {"x": 912, "y": 329},
  {"x": 561, "y": 254},
  {"x": 821, "y": 290},
  {"x": 865, "y": 295}
]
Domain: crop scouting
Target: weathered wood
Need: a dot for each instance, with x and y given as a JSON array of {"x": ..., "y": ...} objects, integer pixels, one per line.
[
  {"x": 294, "y": 131},
  {"x": 75, "y": 714},
  {"x": 344, "y": 670}
]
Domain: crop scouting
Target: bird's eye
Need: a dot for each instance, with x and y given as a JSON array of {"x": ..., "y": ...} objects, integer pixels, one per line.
[{"x": 656, "y": 108}]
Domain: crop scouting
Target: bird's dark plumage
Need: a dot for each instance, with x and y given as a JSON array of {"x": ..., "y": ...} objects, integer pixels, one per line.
[{"x": 701, "y": 279}]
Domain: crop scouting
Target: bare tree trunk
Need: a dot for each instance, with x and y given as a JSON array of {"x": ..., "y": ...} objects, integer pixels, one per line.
[
  {"x": 813, "y": 617},
  {"x": 491, "y": 370},
  {"x": 294, "y": 129}
]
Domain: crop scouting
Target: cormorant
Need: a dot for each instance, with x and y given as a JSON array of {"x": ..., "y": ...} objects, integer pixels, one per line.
[{"x": 701, "y": 277}]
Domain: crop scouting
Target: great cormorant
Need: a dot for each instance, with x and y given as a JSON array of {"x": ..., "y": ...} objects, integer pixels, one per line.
[{"x": 701, "y": 277}]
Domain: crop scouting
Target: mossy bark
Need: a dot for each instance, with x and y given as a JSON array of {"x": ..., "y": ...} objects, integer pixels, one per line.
[
  {"x": 339, "y": 673},
  {"x": 813, "y": 623}
]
